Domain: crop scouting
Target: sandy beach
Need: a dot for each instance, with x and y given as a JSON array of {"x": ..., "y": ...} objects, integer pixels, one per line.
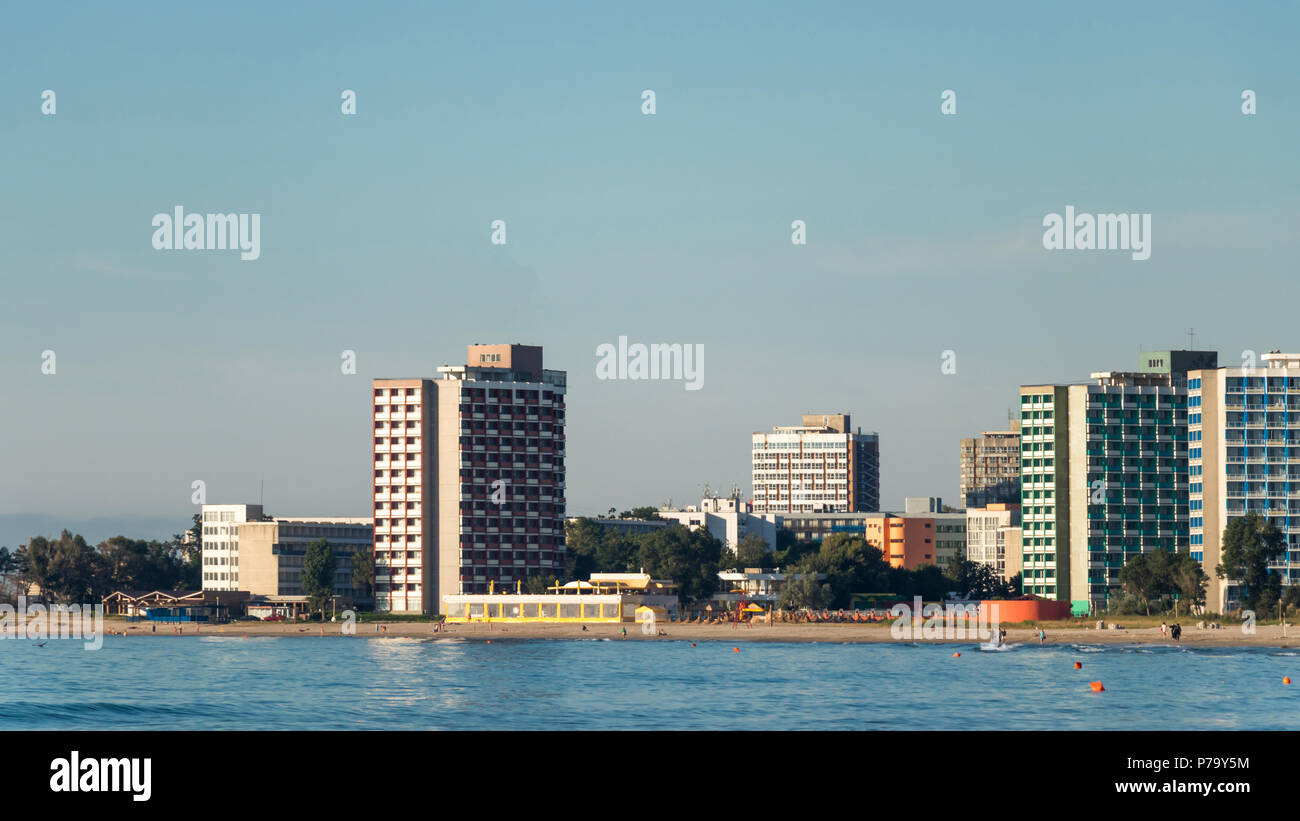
[{"x": 1228, "y": 635}]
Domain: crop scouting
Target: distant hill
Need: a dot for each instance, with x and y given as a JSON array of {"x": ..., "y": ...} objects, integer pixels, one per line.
[{"x": 17, "y": 529}]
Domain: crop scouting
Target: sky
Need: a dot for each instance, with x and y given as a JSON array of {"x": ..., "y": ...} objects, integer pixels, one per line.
[{"x": 924, "y": 230}]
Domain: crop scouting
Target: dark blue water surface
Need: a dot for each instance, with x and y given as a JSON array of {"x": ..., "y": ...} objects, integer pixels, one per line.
[{"x": 220, "y": 683}]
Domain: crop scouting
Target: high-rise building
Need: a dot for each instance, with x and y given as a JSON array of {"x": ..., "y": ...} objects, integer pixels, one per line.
[
  {"x": 820, "y": 466},
  {"x": 1103, "y": 476},
  {"x": 468, "y": 478},
  {"x": 990, "y": 467},
  {"x": 1244, "y": 457},
  {"x": 986, "y": 535}
]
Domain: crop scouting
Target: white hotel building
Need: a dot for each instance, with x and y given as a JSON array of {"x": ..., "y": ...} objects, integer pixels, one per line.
[
  {"x": 728, "y": 520},
  {"x": 817, "y": 467},
  {"x": 1243, "y": 455},
  {"x": 468, "y": 483},
  {"x": 221, "y": 543}
]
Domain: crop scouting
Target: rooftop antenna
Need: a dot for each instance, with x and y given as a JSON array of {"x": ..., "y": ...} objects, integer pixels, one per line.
[
  {"x": 261, "y": 487},
  {"x": 1191, "y": 339}
]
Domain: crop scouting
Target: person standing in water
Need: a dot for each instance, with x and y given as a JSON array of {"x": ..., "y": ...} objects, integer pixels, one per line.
[{"x": 1042, "y": 637}]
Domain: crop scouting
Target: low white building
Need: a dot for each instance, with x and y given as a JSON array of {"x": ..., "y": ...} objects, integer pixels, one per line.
[
  {"x": 757, "y": 585},
  {"x": 728, "y": 520}
]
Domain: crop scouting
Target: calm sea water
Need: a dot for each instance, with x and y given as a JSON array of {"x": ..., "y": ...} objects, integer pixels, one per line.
[{"x": 219, "y": 683}]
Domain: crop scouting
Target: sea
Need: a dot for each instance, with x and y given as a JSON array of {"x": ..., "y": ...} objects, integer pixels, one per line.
[{"x": 448, "y": 683}]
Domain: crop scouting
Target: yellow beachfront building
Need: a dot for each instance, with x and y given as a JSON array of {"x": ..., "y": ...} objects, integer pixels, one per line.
[{"x": 605, "y": 598}]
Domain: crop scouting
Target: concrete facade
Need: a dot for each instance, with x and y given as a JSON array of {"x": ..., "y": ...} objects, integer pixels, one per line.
[
  {"x": 220, "y": 546},
  {"x": 272, "y": 552},
  {"x": 487, "y": 465},
  {"x": 1244, "y": 457},
  {"x": 727, "y": 520},
  {"x": 986, "y": 535},
  {"x": 817, "y": 467},
  {"x": 990, "y": 467}
]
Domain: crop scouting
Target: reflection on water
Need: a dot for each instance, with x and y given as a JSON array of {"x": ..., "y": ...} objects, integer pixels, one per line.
[{"x": 228, "y": 682}]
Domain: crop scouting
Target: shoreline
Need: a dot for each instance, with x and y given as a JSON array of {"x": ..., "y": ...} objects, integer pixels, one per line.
[{"x": 1270, "y": 636}]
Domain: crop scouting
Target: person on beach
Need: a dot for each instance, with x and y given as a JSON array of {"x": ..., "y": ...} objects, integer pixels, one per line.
[
  {"x": 1042, "y": 637},
  {"x": 624, "y": 632},
  {"x": 1162, "y": 629}
]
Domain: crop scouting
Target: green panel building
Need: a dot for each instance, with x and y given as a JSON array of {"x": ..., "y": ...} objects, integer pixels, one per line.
[{"x": 1103, "y": 476}]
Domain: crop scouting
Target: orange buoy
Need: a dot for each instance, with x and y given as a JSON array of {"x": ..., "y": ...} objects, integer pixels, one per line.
[
  {"x": 692, "y": 644},
  {"x": 1286, "y": 679},
  {"x": 1096, "y": 687},
  {"x": 489, "y": 641},
  {"x": 1078, "y": 665},
  {"x": 735, "y": 649},
  {"x": 956, "y": 655}
]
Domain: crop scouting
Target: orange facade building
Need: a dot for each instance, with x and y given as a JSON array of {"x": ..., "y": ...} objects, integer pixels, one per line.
[{"x": 906, "y": 541}]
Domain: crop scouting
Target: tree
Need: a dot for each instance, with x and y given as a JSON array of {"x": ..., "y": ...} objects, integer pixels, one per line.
[
  {"x": 1188, "y": 579},
  {"x": 318, "y": 574},
  {"x": 789, "y": 550},
  {"x": 539, "y": 583},
  {"x": 803, "y": 589},
  {"x": 590, "y": 547},
  {"x": 363, "y": 572},
  {"x": 12, "y": 567},
  {"x": 1249, "y": 544},
  {"x": 851, "y": 565},
  {"x": 751, "y": 551},
  {"x": 977, "y": 580},
  {"x": 689, "y": 558},
  {"x": 926, "y": 581},
  {"x": 67, "y": 569},
  {"x": 1015, "y": 585},
  {"x": 647, "y": 512},
  {"x": 1147, "y": 576}
]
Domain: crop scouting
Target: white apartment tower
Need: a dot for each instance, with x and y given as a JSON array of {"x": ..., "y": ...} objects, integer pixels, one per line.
[
  {"x": 817, "y": 467},
  {"x": 1243, "y": 456}
]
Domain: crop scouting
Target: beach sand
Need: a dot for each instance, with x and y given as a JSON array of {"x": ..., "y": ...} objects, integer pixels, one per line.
[{"x": 1229, "y": 635}]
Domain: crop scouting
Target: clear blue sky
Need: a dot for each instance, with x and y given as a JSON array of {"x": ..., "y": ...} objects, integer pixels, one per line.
[{"x": 924, "y": 231}]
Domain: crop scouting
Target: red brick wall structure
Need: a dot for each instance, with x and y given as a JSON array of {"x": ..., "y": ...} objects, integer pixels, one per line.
[{"x": 1028, "y": 608}]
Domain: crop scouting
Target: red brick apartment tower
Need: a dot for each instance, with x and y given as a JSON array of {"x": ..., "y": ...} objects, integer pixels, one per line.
[{"x": 473, "y": 493}]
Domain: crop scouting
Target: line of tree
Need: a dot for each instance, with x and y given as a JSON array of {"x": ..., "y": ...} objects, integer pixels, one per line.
[
  {"x": 690, "y": 558},
  {"x": 1155, "y": 578},
  {"x": 830, "y": 572},
  {"x": 67, "y": 569}
]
